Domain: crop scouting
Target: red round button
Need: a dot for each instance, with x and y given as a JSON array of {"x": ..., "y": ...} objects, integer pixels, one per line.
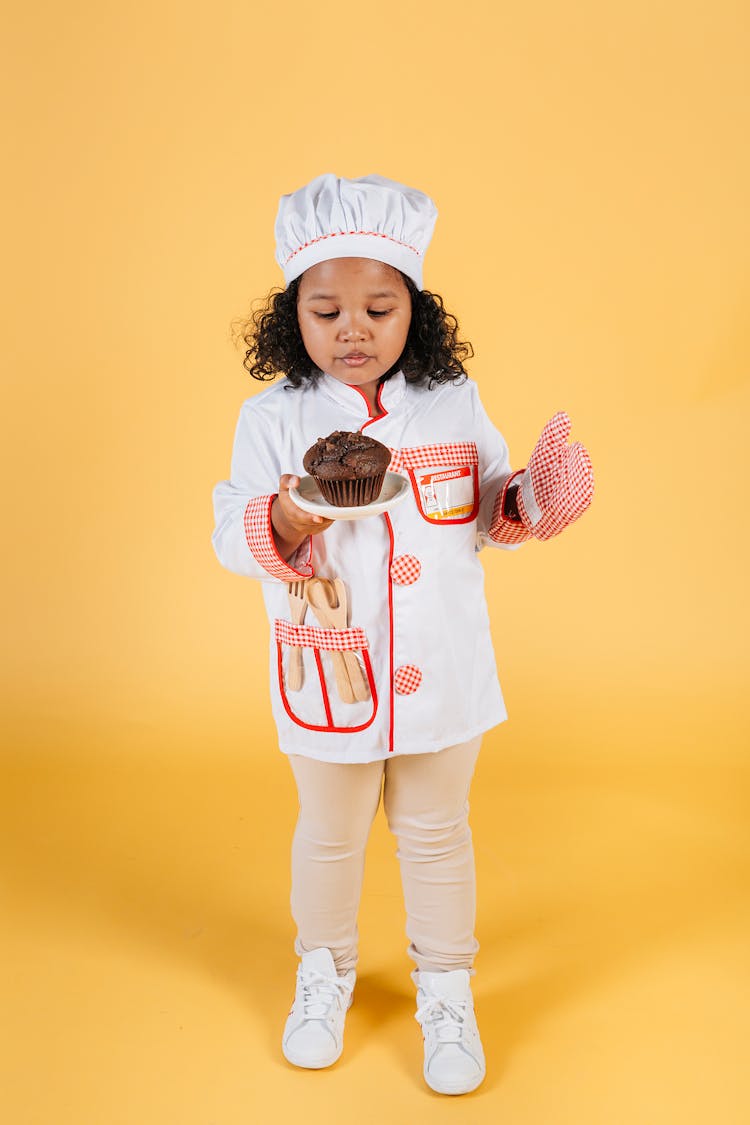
[
  {"x": 407, "y": 679},
  {"x": 405, "y": 569}
]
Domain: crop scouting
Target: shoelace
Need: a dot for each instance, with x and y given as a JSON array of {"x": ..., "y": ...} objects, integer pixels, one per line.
[
  {"x": 319, "y": 992},
  {"x": 446, "y": 1016}
]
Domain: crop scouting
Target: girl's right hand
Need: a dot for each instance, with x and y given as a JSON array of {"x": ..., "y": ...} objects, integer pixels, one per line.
[{"x": 291, "y": 524}]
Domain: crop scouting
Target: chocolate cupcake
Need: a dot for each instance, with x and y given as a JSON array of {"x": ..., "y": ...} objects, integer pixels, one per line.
[{"x": 349, "y": 468}]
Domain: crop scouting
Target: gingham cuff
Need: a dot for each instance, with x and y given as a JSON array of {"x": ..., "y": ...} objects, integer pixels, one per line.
[
  {"x": 260, "y": 540},
  {"x": 501, "y": 529}
]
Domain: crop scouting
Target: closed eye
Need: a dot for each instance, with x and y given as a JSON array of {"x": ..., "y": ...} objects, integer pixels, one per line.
[{"x": 372, "y": 312}]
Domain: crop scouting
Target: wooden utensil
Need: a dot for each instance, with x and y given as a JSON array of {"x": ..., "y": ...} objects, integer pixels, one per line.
[
  {"x": 319, "y": 602},
  {"x": 297, "y": 609},
  {"x": 360, "y": 687}
]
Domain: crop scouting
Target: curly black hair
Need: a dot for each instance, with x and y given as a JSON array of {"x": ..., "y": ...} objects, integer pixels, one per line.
[{"x": 432, "y": 354}]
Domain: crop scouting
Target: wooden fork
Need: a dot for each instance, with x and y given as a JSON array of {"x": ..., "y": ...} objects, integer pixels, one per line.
[{"x": 297, "y": 609}]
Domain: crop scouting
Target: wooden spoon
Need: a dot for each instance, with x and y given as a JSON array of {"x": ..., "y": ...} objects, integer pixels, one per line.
[
  {"x": 318, "y": 600},
  {"x": 360, "y": 687}
]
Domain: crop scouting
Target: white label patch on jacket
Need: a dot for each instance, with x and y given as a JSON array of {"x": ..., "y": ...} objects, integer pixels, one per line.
[
  {"x": 444, "y": 478},
  {"x": 447, "y": 495}
]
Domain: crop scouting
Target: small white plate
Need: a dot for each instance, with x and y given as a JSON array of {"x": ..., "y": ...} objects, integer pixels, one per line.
[{"x": 308, "y": 496}]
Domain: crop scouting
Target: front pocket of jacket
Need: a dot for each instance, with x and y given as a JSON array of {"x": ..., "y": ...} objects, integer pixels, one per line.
[
  {"x": 318, "y": 704},
  {"x": 444, "y": 480}
]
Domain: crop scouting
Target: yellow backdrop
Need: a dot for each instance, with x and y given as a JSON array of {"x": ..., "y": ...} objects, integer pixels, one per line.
[{"x": 590, "y": 167}]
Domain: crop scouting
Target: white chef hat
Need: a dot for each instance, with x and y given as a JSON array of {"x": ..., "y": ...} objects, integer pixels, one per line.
[{"x": 370, "y": 217}]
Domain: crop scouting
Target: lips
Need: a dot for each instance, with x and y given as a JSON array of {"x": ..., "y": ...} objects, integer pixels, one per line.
[{"x": 355, "y": 359}]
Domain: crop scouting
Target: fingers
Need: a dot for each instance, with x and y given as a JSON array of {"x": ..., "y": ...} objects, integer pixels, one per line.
[
  {"x": 544, "y": 463},
  {"x": 572, "y": 493},
  {"x": 287, "y": 481},
  {"x": 555, "y": 434},
  {"x": 579, "y": 455},
  {"x": 301, "y": 521},
  {"x": 548, "y": 452},
  {"x": 580, "y": 478},
  {"x": 560, "y": 423},
  {"x": 560, "y": 481}
]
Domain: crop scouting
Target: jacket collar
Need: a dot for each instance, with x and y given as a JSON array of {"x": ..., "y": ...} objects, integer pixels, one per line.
[{"x": 344, "y": 394}]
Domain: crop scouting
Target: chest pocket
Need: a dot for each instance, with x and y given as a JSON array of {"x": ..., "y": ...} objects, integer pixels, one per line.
[{"x": 444, "y": 480}]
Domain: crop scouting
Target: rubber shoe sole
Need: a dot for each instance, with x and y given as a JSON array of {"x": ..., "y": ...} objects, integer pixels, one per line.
[
  {"x": 311, "y": 1061},
  {"x": 455, "y": 1087}
]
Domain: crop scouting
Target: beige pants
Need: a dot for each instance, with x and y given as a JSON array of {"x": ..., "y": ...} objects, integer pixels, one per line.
[{"x": 425, "y": 797}]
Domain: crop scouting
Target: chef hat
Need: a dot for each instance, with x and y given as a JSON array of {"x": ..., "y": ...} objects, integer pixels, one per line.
[{"x": 370, "y": 217}]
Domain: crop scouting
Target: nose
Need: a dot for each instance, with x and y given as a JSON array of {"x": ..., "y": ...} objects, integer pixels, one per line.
[{"x": 353, "y": 327}]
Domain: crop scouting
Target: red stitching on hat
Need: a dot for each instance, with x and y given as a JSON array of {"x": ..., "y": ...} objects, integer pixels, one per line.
[{"x": 334, "y": 233}]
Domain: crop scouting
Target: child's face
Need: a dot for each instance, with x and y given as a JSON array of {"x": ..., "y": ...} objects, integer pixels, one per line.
[{"x": 354, "y": 305}]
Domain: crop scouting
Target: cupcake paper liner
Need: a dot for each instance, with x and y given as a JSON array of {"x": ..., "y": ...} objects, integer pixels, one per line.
[{"x": 351, "y": 493}]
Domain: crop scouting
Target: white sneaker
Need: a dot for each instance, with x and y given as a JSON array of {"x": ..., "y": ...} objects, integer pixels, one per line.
[
  {"x": 453, "y": 1055},
  {"x": 314, "y": 1032}
]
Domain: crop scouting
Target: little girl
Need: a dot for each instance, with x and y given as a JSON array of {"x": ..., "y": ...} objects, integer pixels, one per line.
[{"x": 362, "y": 346}]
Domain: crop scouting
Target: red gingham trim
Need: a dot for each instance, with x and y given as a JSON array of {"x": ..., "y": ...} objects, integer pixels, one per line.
[
  {"x": 259, "y": 536},
  {"x": 331, "y": 640},
  {"x": 407, "y": 679},
  {"x": 458, "y": 453},
  {"x": 501, "y": 529},
  {"x": 405, "y": 570},
  {"x": 335, "y": 233}
]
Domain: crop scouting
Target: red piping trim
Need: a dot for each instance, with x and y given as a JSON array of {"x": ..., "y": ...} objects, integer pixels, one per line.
[
  {"x": 387, "y": 519},
  {"x": 330, "y": 729},
  {"x": 370, "y": 676},
  {"x": 389, "y": 525},
  {"x": 334, "y": 233},
  {"x": 322, "y": 678},
  {"x": 308, "y": 561},
  {"x": 378, "y": 403}
]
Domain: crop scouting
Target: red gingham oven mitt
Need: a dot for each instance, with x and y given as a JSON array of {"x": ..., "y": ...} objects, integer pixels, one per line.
[{"x": 558, "y": 483}]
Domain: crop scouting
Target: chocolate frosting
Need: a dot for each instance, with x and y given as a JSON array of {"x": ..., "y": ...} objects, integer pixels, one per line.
[{"x": 344, "y": 455}]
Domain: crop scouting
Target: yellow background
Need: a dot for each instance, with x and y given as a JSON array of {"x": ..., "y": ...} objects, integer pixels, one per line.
[{"x": 590, "y": 167}]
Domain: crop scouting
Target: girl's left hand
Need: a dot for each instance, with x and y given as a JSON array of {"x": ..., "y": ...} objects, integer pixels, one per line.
[
  {"x": 290, "y": 524},
  {"x": 558, "y": 483}
]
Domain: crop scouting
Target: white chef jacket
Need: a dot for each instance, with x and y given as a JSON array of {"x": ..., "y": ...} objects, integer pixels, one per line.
[{"x": 419, "y": 625}]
